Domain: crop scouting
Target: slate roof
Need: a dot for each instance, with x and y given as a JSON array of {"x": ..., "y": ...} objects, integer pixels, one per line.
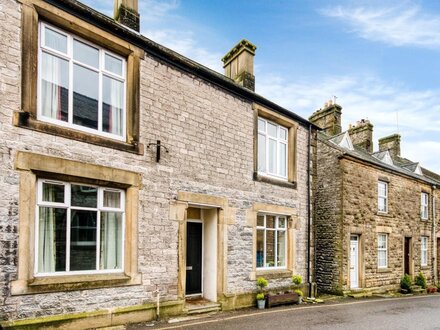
[{"x": 401, "y": 165}]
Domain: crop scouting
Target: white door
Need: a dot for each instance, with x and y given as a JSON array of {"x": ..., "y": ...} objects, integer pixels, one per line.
[{"x": 354, "y": 261}]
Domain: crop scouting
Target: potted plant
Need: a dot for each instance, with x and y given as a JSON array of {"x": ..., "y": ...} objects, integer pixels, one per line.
[
  {"x": 297, "y": 280},
  {"x": 405, "y": 284},
  {"x": 420, "y": 280},
  {"x": 261, "y": 284},
  {"x": 300, "y": 295}
]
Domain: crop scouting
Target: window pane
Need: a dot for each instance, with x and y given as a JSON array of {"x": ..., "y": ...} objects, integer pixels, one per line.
[
  {"x": 272, "y": 130},
  {"x": 51, "y": 240},
  {"x": 260, "y": 248},
  {"x": 111, "y": 241},
  {"x": 55, "y": 40},
  {"x": 84, "y": 196},
  {"x": 283, "y": 133},
  {"x": 260, "y": 220},
  {"x": 112, "y": 105},
  {"x": 85, "y": 97},
  {"x": 270, "y": 221},
  {"x": 283, "y": 161},
  {"x": 381, "y": 204},
  {"x": 270, "y": 248},
  {"x": 112, "y": 199},
  {"x": 85, "y": 54},
  {"x": 281, "y": 222},
  {"x": 53, "y": 193},
  {"x": 261, "y": 153},
  {"x": 54, "y": 87},
  {"x": 382, "y": 242},
  {"x": 83, "y": 240},
  {"x": 261, "y": 125},
  {"x": 113, "y": 64},
  {"x": 272, "y": 156},
  {"x": 281, "y": 257}
]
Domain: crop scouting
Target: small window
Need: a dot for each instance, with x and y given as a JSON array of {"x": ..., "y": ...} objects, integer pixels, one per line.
[
  {"x": 80, "y": 85},
  {"x": 424, "y": 251},
  {"x": 382, "y": 200},
  {"x": 382, "y": 251},
  {"x": 424, "y": 204},
  {"x": 271, "y": 241},
  {"x": 272, "y": 149},
  {"x": 80, "y": 228}
]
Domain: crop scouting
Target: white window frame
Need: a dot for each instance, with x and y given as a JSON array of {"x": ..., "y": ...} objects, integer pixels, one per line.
[
  {"x": 382, "y": 197},
  {"x": 67, "y": 205},
  {"x": 424, "y": 206},
  {"x": 279, "y": 141},
  {"x": 101, "y": 71},
  {"x": 383, "y": 250},
  {"x": 275, "y": 230},
  {"x": 424, "y": 251}
]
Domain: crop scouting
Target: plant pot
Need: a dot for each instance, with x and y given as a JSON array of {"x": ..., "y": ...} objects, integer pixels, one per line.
[
  {"x": 261, "y": 304},
  {"x": 300, "y": 299}
]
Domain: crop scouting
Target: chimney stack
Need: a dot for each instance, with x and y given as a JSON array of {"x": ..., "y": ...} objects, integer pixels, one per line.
[
  {"x": 361, "y": 135},
  {"x": 328, "y": 118},
  {"x": 126, "y": 12},
  {"x": 239, "y": 64},
  {"x": 392, "y": 144}
]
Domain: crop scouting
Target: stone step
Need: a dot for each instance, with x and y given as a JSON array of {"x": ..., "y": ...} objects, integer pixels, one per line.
[
  {"x": 211, "y": 308},
  {"x": 359, "y": 294}
]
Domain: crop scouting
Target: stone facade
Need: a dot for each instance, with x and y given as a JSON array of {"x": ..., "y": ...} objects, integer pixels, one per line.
[
  {"x": 209, "y": 134},
  {"x": 347, "y": 206}
]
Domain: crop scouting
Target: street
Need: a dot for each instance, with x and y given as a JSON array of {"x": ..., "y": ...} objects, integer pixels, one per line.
[{"x": 415, "y": 312}]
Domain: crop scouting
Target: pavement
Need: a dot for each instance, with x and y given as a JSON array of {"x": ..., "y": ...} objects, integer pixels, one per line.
[{"x": 409, "y": 312}]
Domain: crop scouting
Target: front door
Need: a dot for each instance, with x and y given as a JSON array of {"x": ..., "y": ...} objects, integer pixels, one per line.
[
  {"x": 354, "y": 261},
  {"x": 194, "y": 257},
  {"x": 406, "y": 255}
]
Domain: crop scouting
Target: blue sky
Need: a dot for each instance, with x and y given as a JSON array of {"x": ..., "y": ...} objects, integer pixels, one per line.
[{"x": 380, "y": 58}]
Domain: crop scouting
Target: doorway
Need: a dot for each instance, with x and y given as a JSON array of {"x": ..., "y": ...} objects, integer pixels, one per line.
[
  {"x": 354, "y": 261},
  {"x": 407, "y": 256},
  {"x": 194, "y": 257}
]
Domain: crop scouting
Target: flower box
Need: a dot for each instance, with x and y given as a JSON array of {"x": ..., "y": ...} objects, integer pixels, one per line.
[{"x": 282, "y": 299}]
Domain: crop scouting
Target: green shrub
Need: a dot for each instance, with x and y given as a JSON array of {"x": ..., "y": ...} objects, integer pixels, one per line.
[
  {"x": 421, "y": 280},
  {"x": 260, "y": 296},
  {"x": 405, "y": 282},
  {"x": 299, "y": 292},
  {"x": 297, "y": 279},
  {"x": 261, "y": 283}
]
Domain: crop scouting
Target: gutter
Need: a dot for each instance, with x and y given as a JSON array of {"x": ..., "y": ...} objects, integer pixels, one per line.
[
  {"x": 433, "y": 235},
  {"x": 309, "y": 275}
]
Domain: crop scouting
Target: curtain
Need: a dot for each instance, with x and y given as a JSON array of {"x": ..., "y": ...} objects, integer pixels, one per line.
[
  {"x": 46, "y": 241},
  {"x": 111, "y": 233},
  {"x": 51, "y": 86},
  {"x": 116, "y": 105}
]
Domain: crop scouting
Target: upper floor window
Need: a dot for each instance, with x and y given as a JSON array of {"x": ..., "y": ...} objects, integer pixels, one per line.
[
  {"x": 80, "y": 85},
  {"x": 272, "y": 149},
  {"x": 424, "y": 251},
  {"x": 382, "y": 196},
  {"x": 424, "y": 203},
  {"x": 80, "y": 228},
  {"x": 271, "y": 241},
  {"x": 382, "y": 251}
]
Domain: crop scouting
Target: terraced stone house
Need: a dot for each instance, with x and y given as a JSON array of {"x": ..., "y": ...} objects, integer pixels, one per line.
[
  {"x": 133, "y": 178},
  {"x": 376, "y": 212}
]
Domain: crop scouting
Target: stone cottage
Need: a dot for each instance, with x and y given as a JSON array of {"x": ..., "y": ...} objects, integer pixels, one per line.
[
  {"x": 133, "y": 178},
  {"x": 376, "y": 212}
]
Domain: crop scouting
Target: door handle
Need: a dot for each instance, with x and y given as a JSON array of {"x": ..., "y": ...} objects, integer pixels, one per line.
[{"x": 189, "y": 267}]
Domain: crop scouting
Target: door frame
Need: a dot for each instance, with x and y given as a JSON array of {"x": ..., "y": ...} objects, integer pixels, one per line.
[
  {"x": 357, "y": 263},
  {"x": 203, "y": 255}
]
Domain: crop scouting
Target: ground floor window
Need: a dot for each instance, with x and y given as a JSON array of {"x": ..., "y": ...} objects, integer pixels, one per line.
[
  {"x": 382, "y": 251},
  {"x": 271, "y": 241},
  {"x": 80, "y": 228},
  {"x": 424, "y": 251}
]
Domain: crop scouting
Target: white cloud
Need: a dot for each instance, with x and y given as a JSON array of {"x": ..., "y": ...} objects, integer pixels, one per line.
[
  {"x": 398, "y": 26},
  {"x": 368, "y": 98}
]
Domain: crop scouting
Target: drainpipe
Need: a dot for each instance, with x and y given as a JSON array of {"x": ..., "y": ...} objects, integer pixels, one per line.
[
  {"x": 434, "y": 240},
  {"x": 309, "y": 275}
]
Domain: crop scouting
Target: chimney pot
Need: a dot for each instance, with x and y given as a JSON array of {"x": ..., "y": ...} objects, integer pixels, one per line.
[{"x": 126, "y": 12}]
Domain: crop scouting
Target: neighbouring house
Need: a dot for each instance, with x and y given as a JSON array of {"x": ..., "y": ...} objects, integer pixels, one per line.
[
  {"x": 132, "y": 176},
  {"x": 376, "y": 212}
]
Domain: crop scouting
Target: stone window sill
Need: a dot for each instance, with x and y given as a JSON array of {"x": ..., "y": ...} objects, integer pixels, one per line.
[
  {"x": 425, "y": 267},
  {"x": 382, "y": 214},
  {"x": 73, "y": 282},
  {"x": 274, "y": 181},
  {"x": 384, "y": 270},
  {"x": 25, "y": 120},
  {"x": 274, "y": 273}
]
